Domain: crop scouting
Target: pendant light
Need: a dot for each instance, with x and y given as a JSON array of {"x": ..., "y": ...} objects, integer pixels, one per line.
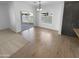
[{"x": 39, "y": 8}]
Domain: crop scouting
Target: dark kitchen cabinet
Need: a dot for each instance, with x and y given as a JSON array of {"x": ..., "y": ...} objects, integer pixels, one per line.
[{"x": 70, "y": 18}]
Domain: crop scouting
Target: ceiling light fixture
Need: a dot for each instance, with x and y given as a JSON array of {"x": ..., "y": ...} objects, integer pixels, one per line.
[{"x": 39, "y": 8}]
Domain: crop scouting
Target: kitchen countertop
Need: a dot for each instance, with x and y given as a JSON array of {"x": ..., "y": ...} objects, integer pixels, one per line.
[{"x": 76, "y": 30}]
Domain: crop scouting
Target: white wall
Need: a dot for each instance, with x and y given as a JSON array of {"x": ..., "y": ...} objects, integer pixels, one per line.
[
  {"x": 4, "y": 15},
  {"x": 55, "y": 7},
  {"x": 12, "y": 16},
  {"x": 15, "y": 9}
]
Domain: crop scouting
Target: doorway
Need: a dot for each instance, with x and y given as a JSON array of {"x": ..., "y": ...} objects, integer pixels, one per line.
[{"x": 26, "y": 20}]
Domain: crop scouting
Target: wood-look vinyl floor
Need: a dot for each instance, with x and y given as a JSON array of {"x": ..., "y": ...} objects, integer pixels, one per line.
[
  {"x": 10, "y": 43},
  {"x": 45, "y": 43}
]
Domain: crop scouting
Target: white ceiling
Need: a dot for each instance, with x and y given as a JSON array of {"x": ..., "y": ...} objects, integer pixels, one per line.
[
  {"x": 42, "y": 2},
  {"x": 33, "y": 2},
  {"x": 37, "y": 2}
]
